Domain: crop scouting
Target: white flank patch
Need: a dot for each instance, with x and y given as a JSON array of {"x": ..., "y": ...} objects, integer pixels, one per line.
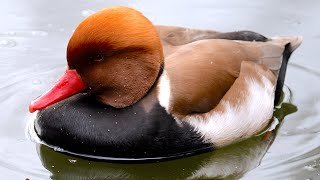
[
  {"x": 238, "y": 122},
  {"x": 164, "y": 91}
]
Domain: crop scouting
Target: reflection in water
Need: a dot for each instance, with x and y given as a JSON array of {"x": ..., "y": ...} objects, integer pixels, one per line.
[{"x": 231, "y": 162}]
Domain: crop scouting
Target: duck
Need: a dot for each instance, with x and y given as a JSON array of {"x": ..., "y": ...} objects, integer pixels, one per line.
[{"x": 134, "y": 91}]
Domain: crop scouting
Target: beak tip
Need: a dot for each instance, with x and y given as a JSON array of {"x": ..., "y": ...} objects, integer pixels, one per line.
[
  {"x": 69, "y": 84},
  {"x": 31, "y": 108}
]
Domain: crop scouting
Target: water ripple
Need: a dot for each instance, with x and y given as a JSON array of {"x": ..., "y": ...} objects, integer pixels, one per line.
[
  {"x": 24, "y": 33},
  {"x": 306, "y": 69}
]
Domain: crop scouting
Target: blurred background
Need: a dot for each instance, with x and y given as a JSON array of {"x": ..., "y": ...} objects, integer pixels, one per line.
[{"x": 33, "y": 39}]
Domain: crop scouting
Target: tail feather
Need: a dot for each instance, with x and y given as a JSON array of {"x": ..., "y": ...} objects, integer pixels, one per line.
[
  {"x": 294, "y": 41},
  {"x": 290, "y": 44},
  {"x": 275, "y": 55}
]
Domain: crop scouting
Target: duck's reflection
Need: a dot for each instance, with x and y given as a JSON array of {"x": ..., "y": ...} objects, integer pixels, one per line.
[{"x": 231, "y": 162}]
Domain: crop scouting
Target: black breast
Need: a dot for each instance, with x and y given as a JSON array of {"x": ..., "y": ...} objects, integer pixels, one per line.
[{"x": 80, "y": 125}]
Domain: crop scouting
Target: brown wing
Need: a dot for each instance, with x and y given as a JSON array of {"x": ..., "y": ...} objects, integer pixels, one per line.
[
  {"x": 245, "y": 110},
  {"x": 200, "y": 73},
  {"x": 173, "y": 37},
  {"x": 177, "y": 36}
]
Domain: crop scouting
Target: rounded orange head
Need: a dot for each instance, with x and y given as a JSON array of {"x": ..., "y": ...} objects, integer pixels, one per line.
[{"x": 117, "y": 53}]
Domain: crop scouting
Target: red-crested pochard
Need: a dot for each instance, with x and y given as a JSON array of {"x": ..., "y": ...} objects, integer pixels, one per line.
[{"x": 135, "y": 91}]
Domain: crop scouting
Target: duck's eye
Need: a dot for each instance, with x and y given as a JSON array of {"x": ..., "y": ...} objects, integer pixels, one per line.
[{"x": 96, "y": 58}]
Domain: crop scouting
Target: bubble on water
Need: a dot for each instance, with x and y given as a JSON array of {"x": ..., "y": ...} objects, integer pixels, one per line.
[
  {"x": 7, "y": 43},
  {"x": 310, "y": 167},
  {"x": 21, "y": 140},
  {"x": 87, "y": 12},
  {"x": 72, "y": 161},
  {"x": 39, "y": 33},
  {"x": 36, "y": 82}
]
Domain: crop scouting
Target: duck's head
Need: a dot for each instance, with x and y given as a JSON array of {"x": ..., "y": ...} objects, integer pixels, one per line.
[{"x": 114, "y": 55}]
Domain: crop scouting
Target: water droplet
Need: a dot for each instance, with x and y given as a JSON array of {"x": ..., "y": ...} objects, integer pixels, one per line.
[
  {"x": 72, "y": 161},
  {"x": 7, "y": 43},
  {"x": 58, "y": 149},
  {"x": 211, "y": 62},
  {"x": 52, "y": 166},
  {"x": 108, "y": 130},
  {"x": 135, "y": 113},
  {"x": 87, "y": 12},
  {"x": 116, "y": 122}
]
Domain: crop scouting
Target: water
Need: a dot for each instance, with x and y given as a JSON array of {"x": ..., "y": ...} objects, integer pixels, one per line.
[{"x": 33, "y": 39}]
